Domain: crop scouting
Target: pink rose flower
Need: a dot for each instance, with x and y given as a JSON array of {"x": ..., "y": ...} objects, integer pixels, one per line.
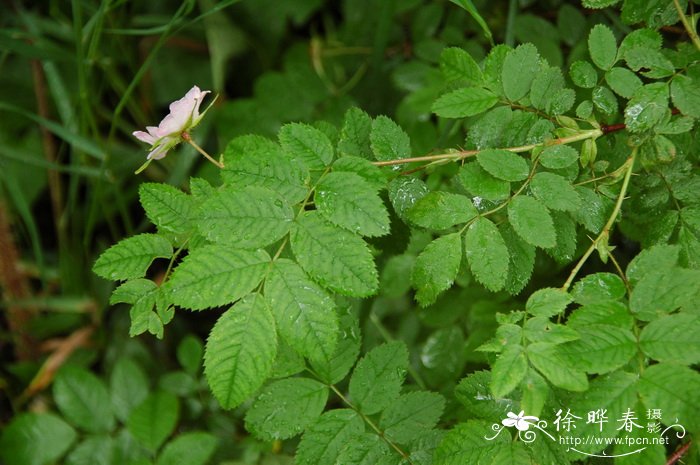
[{"x": 184, "y": 115}]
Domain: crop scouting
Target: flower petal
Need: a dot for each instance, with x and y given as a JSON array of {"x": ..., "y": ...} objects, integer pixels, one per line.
[{"x": 144, "y": 137}]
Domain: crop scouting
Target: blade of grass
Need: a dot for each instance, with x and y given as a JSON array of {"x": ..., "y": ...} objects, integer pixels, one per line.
[
  {"x": 471, "y": 9},
  {"x": 75, "y": 140}
]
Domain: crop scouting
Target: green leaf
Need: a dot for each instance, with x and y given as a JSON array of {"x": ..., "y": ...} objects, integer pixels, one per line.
[
  {"x": 602, "y": 46},
  {"x": 513, "y": 453},
  {"x": 508, "y": 371},
  {"x": 597, "y": 288},
  {"x": 583, "y": 74},
  {"x": 411, "y": 416},
  {"x": 601, "y": 348},
  {"x": 128, "y": 387},
  {"x": 487, "y": 254},
  {"x": 593, "y": 212},
  {"x": 332, "y": 369},
  {"x": 672, "y": 338},
  {"x": 613, "y": 393},
  {"x": 503, "y": 164},
  {"x": 532, "y": 221},
  {"x": 371, "y": 174},
  {"x": 388, "y": 140},
  {"x": 545, "y": 87},
  {"x": 661, "y": 257},
  {"x": 675, "y": 390},
  {"x": 365, "y": 449},
  {"x": 458, "y": 65},
  {"x": 584, "y": 110},
  {"x": 249, "y": 218},
  {"x": 664, "y": 291},
  {"x": 558, "y": 156},
  {"x": 647, "y": 107},
  {"x": 436, "y": 267},
  {"x": 465, "y": 444},
  {"x": 83, "y": 399},
  {"x": 216, "y": 275},
  {"x": 167, "y": 207},
  {"x": 623, "y": 81},
  {"x": 473, "y": 392},
  {"x": 376, "y": 381},
  {"x": 143, "y": 295},
  {"x": 404, "y": 192},
  {"x": 240, "y": 351},
  {"x": 549, "y": 361},
  {"x": 354, "y": 136},
  {"x": 193, "y": 448},
  {"x": 604, "y": 312},
  {"x": 684, "y": 93},
  {"x": 653, "y": 61},
  {"x": 442, "y": 355},
  {"x": 335, "y": 258},
  {"x": 542, "y": 329},
  {"x": 305, "y": 315},
  {"x": 93, "y": 450},
  {"x": 604, "y": 100},
  {"x": 468, "y": 101},
  {"x": 189, "y": 354},
  {"x": 131, "y": 257},
  {"x": 555, "y": 192},
  {"x": 346, "y": 200},
  {"x": 643, "y": 37},
  {"x": 519, "y": 70},
  {"x": 286, "y": 408},
  {"x": 392, "y": 281},
  {"x": 257, "y": 161},
  {"x": 521, "y": 260},
  {"x": 547, "y": 302},
  {"x": 565, "y": 249},
  {"x": 288, "y": 362},
  {"x": 35, "y": 439},
  {"x": 535, "y": 393},
  {"x": 441, "y": 210},
  {"x": 154, "y": 419},
  {"x": 306, "y": 144},
  {"x": 481, "y": 184},
  {"x": 324, "y": 440}
]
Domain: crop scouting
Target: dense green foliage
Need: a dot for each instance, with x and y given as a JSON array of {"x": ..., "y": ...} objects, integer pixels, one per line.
[{"x": 521, "y": 235}]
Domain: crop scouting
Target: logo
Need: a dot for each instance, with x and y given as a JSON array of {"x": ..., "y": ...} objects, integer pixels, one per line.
[{"x": 566, "y": 423}]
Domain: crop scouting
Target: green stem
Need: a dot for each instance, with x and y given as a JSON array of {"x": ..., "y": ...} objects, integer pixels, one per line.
[
  {"x": 605, "y": 233},
  {"x": 686, "y": 24},
  {"x": 186, "y": 137},
  {"x": 460, "y": 155},
  {"x": 510, "y": 23}
]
